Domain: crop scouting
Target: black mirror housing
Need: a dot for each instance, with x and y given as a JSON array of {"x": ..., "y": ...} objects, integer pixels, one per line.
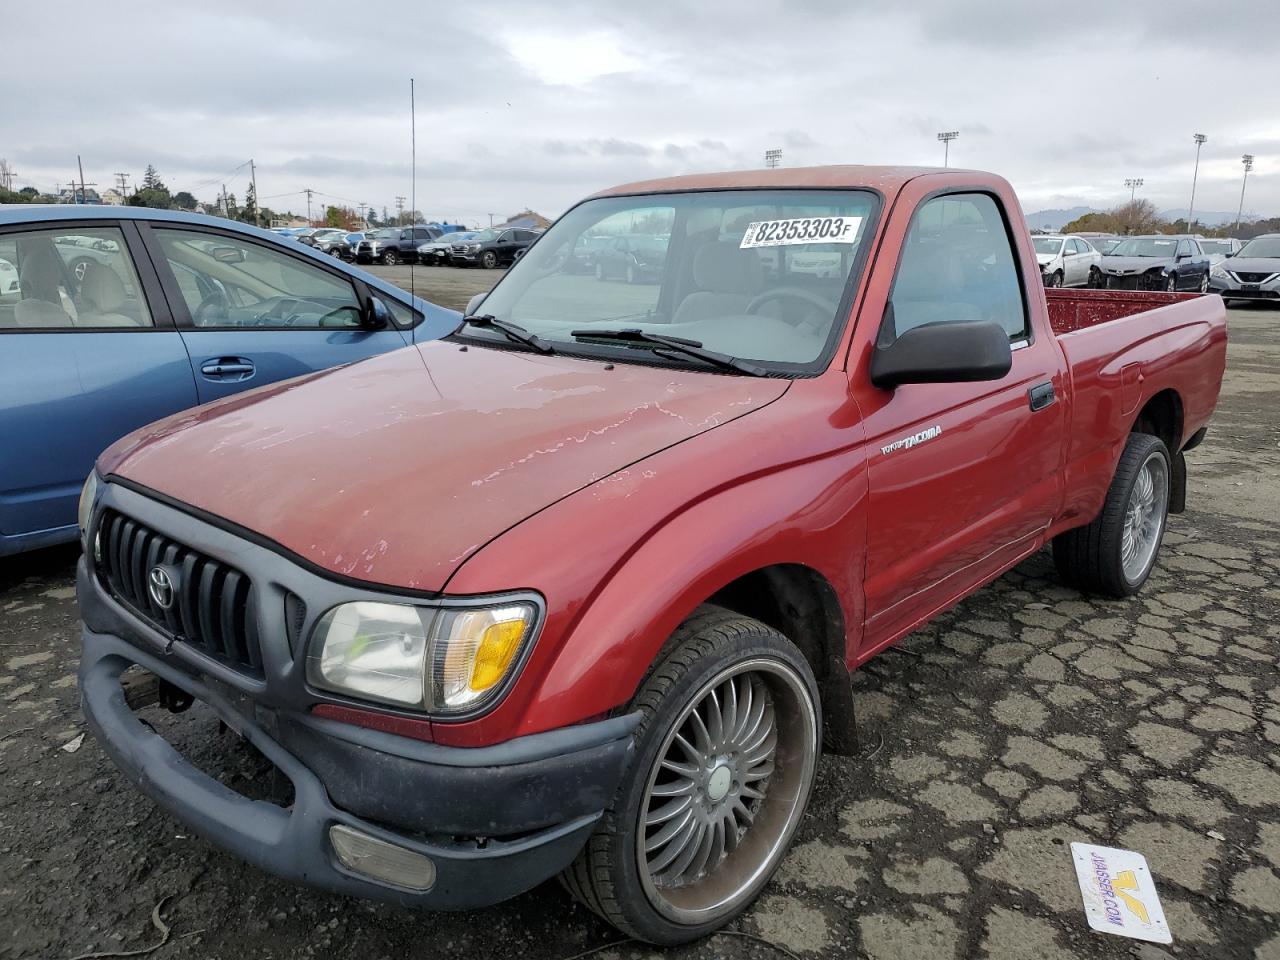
[
  {"x": 943, "y": 353},
  {"x": 377, "y": 315}
]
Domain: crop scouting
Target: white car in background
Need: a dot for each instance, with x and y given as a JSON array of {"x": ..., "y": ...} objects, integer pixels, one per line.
[
  {"x": 1065, "y": 261},
  {"x": 9, "y": 286}
]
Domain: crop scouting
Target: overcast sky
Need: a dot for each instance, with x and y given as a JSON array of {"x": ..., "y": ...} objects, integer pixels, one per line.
[{"x": 537, "y": 104}]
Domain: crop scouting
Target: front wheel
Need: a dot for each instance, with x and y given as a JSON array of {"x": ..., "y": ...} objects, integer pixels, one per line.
[
  {"x": 726, "y": 754},
  {"x": 391, "y": 258},
  {"x": 1171, "y": 285},
  {"x": 1056, "y": 279},
  {"x": 1095, "y": 278},
  {"x": 1114, "y": 554},
  {"x": 1204, "y": 283},
  {"x": 488, "y": 260}
]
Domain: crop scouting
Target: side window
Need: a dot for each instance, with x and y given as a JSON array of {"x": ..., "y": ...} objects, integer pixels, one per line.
[
  {"x": 229, "y": 282},
  {"x": 957, "y": 265},
  {"x": 526, "y": 236},
  {"x": 77, "y": 278},
  {"x": 1078, "y": 246},
  {"x": 1184, "y": 248}
]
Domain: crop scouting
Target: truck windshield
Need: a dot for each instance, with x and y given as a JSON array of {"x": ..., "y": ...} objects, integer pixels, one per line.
[
  {"x": 756, "y": 275},
  {"x": 1145, "y": 247}
]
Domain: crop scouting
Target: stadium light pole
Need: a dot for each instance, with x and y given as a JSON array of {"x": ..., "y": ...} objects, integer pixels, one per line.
[
  {"x": 1247, "y": 160},
  {"x": 946, "y": 137},
  {"x": 1133, "y": 183},
  {"x": 1199, "y": 138},
  {"x": 772, "y": 158}
]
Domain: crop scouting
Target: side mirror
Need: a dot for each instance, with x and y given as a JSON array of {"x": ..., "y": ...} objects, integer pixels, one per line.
[
  {"x": 943, "y": 353},
  {"x": 377, "y": 315},
  {"x": 474, "y": 304},
  {"x": 227, "y": 254}
]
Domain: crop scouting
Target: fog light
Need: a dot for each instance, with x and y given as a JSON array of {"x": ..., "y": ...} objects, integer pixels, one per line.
[{"x": 381, "y": 860}]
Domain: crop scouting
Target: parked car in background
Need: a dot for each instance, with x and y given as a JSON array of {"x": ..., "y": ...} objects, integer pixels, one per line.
[
  {"x": 333, "y": 244},
  {"x": 437, "y": 250},
  {"x": 1219, "y": 248},
  {"x": 171, "y": 310},
  {"x": 1102, "y": 242},
  {"x": 775, "y": 478},
  {"x": 491, "y": 248},
  {"x": 393, "y": 245},
  {"x": 1156, "y": 262},
  {"x": 1066, "y": 261},
  {"x": 633, "y": 257},
  {"x": 1253, "y": 273},
  {"x": 315, "y": 237},
  {"x": 582, "y": 259}
]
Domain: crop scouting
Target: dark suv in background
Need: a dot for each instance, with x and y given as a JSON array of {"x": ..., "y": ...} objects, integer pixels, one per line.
[
  {"x": 491, "y": 248},
  {"x": 393, "y": 245}
]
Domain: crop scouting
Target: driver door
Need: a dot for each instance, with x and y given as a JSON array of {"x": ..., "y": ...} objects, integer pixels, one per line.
[{"x": 250, "y": 314}]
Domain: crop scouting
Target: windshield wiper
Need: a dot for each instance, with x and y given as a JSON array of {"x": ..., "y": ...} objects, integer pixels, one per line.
[
  {"x": 512, "y": 331},
  {"x": 689, "y": 348}
]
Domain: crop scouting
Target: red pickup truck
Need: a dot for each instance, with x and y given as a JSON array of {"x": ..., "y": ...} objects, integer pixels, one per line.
[{"x": 578, "y": 589}]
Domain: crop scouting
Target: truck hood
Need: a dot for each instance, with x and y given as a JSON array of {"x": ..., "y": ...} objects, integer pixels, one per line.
[
  {"x": 1133, "y": 264},
  {"x": 396, "y": 469}
]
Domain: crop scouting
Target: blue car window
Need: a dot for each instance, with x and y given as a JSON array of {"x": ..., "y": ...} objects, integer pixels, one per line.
[
  {"x": 230, "y": 282},
  {"x": 81, "y": 278}
]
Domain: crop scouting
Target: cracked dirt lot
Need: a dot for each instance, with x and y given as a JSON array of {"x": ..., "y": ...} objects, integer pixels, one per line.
[{"x": 1026, "y": 719}]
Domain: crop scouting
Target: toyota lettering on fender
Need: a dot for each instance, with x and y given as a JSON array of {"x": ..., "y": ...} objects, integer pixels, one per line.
[{"x": 600, "y": 619}]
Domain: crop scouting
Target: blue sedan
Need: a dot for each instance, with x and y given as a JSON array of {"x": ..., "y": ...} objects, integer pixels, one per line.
[{"x": 111, "y": 317}]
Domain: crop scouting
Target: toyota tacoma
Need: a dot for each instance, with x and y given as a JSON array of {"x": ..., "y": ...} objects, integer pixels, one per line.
[{"x": 578, "y": 589}]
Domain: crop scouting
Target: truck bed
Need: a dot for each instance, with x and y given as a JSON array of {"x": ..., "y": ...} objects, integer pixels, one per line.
[{"x": 1071, "y": 310}]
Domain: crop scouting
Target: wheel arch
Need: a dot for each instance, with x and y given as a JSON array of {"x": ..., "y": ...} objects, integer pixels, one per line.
[{"x": 1161, "y": 416}]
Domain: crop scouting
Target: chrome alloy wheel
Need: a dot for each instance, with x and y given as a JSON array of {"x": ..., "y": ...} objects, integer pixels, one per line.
[
  {"x": 1144, "y": 517},
  {"x": 726, "y": 791}
]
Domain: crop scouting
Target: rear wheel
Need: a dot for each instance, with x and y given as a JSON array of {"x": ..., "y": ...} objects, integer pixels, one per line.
[
  {"x": 1114, "y": 554},
  {"x": 1204, "y": 282},
  {"x": 391, "y": 258},
  {"x": 725, "y": 759}
]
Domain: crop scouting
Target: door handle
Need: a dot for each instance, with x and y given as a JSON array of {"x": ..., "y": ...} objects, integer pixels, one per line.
[
  {"x": 232, "y": 369},
  {"x": 1041, "y": 396}
]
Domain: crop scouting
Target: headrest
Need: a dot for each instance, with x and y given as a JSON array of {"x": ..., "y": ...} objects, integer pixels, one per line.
[
  {"x": 39, "y": 274},
  {"x": 102, "y": 288},
  {"x": 723, "y": 268}
]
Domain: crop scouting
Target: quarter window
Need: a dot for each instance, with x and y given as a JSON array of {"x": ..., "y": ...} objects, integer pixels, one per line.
[
  {"x": 81, "y": 279},
  {"x": 957, "y": 265},
  {"x": 229, "y": 282}
]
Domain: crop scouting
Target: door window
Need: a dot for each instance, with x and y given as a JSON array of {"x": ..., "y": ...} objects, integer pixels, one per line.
[
  {"x": 229, "y": 282},
  {"x": 73, "y": 278},
  {"x": 957, "y": 265}
]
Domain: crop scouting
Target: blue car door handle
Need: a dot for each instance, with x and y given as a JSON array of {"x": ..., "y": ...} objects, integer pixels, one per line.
[{"x": 228, "y": 368}]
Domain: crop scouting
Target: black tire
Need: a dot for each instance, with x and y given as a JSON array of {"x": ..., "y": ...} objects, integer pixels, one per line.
[
  {"x": 1056, "y": 279},
  {"x": 1089, "y": 558},
  {"x": 391, "y": 258},
  {"x": 1095, "y": 278},
  {"x": 335, "y": 253},
  {"x": 608, "y": 876},
  {"x": 1204, "y": 282},
  {"x": 488, "y": 259},
  {"x": 1171, "y": 285}
]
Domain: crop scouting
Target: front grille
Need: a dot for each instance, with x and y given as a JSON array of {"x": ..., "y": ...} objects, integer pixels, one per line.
[
  {"x": 1251, "y": 277},
  {"x": 211, "y": 607}
]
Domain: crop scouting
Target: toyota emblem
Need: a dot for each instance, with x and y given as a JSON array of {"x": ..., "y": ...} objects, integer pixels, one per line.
[{"x": 160, "y": 586}]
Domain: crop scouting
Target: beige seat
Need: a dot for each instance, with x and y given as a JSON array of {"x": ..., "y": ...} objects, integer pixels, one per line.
[
  {"x": 102, "y": 295},
  {"x": 42, "y": 292},
  {"x": 727, "y": 278}
]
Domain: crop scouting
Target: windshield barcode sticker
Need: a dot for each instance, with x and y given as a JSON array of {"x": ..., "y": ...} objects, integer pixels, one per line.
[{"x": 778, "y": 233}]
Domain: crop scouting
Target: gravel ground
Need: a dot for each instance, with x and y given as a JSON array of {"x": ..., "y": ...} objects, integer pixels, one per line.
[{"x": 1028, "y": 718}]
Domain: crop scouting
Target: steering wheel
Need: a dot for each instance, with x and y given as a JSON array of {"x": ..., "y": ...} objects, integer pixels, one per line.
[
  {"x": 796, "y": 293},
  {"x": 214, "y": 306}
]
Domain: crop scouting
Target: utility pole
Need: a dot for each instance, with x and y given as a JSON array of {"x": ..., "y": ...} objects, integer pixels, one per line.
[
  {"x": 1247, "y": 160},
  {"x": 491, "y": 221},
  {"x": 772, "y": 158},
  {"x": 122, "y": 183},
  {"x": 253, "y": 178},
  {"x": 226, "y": 210},
  {"x": 362, "y": 206},
  {"x": 400, "y": 211},
  {"x": 946, "y": 136},
  {"x": 308, "y": 191},
  {"x": 83, "y": 196},
  {"x": 1199, "y": 138},
  {"x": 6, "y": 174},
  {"x": 1133, "y": 183}
]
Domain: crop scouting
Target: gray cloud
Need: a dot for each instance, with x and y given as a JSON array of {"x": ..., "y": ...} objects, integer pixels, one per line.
[{"x": 520, "y": 105}]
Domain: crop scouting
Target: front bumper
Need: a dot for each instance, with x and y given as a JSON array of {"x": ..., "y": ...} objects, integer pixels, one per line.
[
  {"x": 1150, "y": 280},
  {"x": 494, "y": 821},
  {"x": 1233, "y": 289}
]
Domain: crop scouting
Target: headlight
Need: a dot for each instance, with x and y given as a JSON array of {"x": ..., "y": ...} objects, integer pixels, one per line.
[
  {"x": 474, "y": 248},
  {"x": 441, "y": 660},
  {"x": 1220, "y": 273},
  {"x": 88, "y": 493}
]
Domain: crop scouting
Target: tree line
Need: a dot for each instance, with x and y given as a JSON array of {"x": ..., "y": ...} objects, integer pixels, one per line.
[{"x": 1141, "y": 217}]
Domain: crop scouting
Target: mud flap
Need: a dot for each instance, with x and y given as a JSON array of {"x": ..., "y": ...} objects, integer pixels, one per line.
[
  {"x": 1178, "y": 484},
  {"x": 839, "y": 727}
]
